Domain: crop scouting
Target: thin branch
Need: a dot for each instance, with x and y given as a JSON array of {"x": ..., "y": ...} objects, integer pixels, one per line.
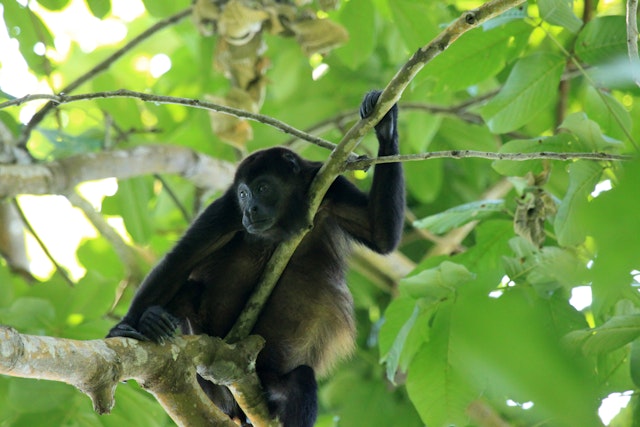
[
  {"x": 59, "y": 268},
  {"x": 632, "y": 38},
  {"x": 160, "y": 99},
  {"x": 334, "y": 165},
  {"x": 364, "y": 164},
  {"x": 102, "y": 66}
]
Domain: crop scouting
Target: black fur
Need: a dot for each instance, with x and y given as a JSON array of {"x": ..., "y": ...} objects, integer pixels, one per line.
[{"x": 203, "y": 283}]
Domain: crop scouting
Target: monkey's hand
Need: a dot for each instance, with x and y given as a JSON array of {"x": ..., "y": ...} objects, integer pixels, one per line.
[
  {"x": 156, "y": 324},
  {"x": 386, "y": 127}
]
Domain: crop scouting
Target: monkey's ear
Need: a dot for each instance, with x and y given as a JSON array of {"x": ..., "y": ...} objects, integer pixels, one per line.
[{"x": 293, "y": 162}]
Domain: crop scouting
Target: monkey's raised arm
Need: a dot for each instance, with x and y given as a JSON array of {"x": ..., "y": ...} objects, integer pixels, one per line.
[
  {"x": 376, "y": 219},
  {"x": 213, "y": 228}
]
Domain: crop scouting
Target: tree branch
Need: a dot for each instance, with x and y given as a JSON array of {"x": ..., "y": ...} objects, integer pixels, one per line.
[
  {"x": 61, "y": 176},
  {"x": 160, "y": 99},
  {"x": 364, "y": 164},
  {"x": 165, "y": 370},
  {"x": 632, "y": 38}
]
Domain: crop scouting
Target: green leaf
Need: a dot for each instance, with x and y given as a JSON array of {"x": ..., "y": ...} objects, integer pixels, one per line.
[
  {"x": 634, "y": 362},
  {"x": 28, "y": 29},
  {"x": 54, "y": 4},
  {"x": 436, "y": 283},
  {"x": 418, "y": 22},
  {"x": 583, "y": 176},
  {"x": 613, "y": 334},
  {"x": 28, "y": 395},
  {"x": 99, "y": 8},
  {"x": 163, "y": 9},
  {"x": 438, "y": 389},
  {"x": 132, "y": 203},
  {"x": 560, "y": 12},
  {"x": 607, "y": 112},
  {"x": 359, "y": 19},
  {"x": 532, "y": 87},
  {"x": 392, "y": 358},
  {"x": 29, "y": 315},
  {"x": 602, "y": 39},
  {"x": 588, "y": 132},
  {"x": 488, "y": 51},
  {"x": 455, "y": 217}
]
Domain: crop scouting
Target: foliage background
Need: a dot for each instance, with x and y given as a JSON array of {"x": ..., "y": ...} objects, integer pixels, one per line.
[{"x": 489, "y": 327}]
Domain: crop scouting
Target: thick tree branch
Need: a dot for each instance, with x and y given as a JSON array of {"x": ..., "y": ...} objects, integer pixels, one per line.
[
  {"x": 61, "y": 176},
  {"x": 165, "y": 370}
]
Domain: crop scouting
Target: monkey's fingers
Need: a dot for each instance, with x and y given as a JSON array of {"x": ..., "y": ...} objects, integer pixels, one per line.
[{"x": 125, "y": 330}]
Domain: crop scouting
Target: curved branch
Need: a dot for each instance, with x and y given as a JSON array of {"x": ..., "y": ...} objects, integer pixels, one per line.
[{"x": 160, "y": 99}]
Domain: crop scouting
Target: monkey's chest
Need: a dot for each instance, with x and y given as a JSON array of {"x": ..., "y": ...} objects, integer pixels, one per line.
[{"x": 226, "y": 280}]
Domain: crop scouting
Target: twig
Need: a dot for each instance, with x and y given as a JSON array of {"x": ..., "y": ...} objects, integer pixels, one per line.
[
  {"x": 632, "y": 38},
  {"x": 160, "y": 99},
  {"x": 363, "y": 164},
  {"x": 35, "y": 235},
  {"x": 102, "y": 66}
]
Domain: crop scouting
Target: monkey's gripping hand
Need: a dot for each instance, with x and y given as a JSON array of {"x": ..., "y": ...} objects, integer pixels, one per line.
[
  {"x": 386, "y": 128},
  {"x": 156, "y": 324}
]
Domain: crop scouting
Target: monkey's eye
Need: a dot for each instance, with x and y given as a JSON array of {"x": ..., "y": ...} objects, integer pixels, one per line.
[
  {"x": 263, "y": 188},
  {"x": 242, "y": 194}
]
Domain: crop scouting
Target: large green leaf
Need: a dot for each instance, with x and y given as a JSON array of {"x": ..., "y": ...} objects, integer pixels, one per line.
[
  {"x": 488, "y": 51},
  {"x": 440, "y": 392},
  {"x": 602, "y": 39},
  {"x": 531, "y": 88},
  {"x": 28, "y": 29},
  {"x": 460, "y": 215},
  {"x": 583, "y": 176},
  {"x": 560, "y": 12}
]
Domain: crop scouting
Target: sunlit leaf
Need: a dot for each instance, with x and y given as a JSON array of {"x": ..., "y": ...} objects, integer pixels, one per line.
[
  {"x": 532, "y": 86},
  {"x": 560, "y": 12}
]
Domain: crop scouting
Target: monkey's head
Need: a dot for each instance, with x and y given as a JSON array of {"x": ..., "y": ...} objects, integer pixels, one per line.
[{"x": 271, "y": 188}]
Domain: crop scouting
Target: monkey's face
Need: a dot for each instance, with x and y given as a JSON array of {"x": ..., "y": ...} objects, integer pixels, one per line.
[{"x": 262, "y": 204}]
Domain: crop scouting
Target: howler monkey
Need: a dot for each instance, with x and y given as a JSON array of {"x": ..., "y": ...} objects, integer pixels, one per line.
[{"x": 202, "y": 284}]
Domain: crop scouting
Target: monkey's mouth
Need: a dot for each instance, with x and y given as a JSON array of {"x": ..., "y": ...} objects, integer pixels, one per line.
[{"x": 258, "y": 226}]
